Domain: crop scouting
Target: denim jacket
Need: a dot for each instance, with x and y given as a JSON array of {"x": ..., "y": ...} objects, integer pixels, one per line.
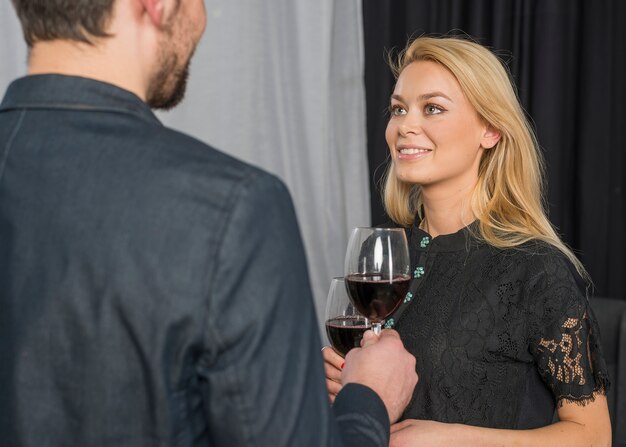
[{"x": 153, "y": 290}]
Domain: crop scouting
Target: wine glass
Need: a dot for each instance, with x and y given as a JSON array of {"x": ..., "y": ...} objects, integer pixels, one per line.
[
  {"x": 344, "y": 324},
  {"x": 377, "y": 272}
]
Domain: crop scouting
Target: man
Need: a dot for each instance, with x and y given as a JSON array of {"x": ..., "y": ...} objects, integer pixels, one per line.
[{"x": 153, "y": 291}]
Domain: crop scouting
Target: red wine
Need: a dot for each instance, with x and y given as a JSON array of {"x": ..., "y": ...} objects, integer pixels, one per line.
[
  {"x": 346, "y": 333},
  {"x": 375, "y": 296}
]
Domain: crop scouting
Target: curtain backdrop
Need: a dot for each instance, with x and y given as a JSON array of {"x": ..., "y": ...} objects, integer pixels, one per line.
[
  {"x": 280, "y": 86},
  {"x": 568, "y": 60},
  {"x": 12, "y": 46}
]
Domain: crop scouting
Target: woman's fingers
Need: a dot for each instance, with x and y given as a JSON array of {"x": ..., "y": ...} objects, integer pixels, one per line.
[
  {"x": 332, "y": 372},
  {"x": 332, "y": 358},
  {"x": 332, "y": 387},
  {"x": 332, "y": 369}
]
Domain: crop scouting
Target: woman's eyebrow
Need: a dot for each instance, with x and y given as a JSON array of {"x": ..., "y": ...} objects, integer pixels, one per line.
[{"x": 424, "y": 97}]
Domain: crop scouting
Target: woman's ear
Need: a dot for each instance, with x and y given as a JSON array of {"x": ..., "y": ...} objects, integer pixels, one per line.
[{"x": 490, "y": 138}]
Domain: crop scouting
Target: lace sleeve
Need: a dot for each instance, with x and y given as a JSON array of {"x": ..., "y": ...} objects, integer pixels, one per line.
[{"x": 566, "y": 341}]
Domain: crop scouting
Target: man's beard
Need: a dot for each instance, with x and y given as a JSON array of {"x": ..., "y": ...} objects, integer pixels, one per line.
[{"x": 168, "y": 85}]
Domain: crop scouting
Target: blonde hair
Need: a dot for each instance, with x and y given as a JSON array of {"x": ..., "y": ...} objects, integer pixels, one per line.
[{"x": 508, "y": 197}]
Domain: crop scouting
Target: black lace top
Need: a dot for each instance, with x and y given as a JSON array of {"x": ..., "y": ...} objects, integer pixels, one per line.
[{"x": 501, "y": 336}]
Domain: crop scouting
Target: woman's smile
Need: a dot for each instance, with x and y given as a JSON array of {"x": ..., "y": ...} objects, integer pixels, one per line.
[{"x": 407, "y": 152}]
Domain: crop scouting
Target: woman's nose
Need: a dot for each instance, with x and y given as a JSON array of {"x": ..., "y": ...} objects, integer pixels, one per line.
[{"x": 411, "y": 124}]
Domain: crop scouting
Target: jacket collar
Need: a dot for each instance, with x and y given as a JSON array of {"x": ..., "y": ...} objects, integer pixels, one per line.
[{"x": 53, "y": 91}]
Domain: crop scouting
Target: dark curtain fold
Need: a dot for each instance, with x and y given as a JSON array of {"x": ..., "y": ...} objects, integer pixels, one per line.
[{"x": 568, "y": 59}]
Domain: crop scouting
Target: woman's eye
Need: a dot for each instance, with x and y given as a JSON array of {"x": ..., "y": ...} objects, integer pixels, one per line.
[
  {"x": 397, "y": 111},
  {"x": 432, "y": 109}
]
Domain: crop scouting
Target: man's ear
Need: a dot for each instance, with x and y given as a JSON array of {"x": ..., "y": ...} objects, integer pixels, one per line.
[
  {"x": 490, "y": 138},
  {"x": 154, "y": 9}
]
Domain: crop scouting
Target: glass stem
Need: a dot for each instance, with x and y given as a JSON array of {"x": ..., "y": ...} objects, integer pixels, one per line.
[{"x": 376, "y": 327}]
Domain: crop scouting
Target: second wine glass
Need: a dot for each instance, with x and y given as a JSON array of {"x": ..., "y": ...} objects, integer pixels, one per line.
[
  {"x": 344, "y": 324},
  {"x": 377, "y": 272}
]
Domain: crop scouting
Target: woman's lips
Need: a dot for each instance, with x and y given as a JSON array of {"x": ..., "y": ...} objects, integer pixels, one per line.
[{"x": 412, "y": 153}]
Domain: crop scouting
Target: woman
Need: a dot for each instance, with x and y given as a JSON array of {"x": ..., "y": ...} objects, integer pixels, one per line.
[{"x": 497, "y": 314}]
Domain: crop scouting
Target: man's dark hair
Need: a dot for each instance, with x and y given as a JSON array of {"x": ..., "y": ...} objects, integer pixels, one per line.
[{"x": 78, "y": 20}]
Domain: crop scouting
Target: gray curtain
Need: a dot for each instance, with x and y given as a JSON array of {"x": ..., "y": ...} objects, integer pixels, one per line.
[
  {"x": 12, "y": 46},
  {"x": 278, "y": 84}
]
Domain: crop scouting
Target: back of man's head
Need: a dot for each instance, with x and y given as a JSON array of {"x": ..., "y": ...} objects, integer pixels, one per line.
[{"x": 78, "y": 20}]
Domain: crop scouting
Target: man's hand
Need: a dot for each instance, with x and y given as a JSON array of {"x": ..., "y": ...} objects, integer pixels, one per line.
[{"x": 385, "y": 366}]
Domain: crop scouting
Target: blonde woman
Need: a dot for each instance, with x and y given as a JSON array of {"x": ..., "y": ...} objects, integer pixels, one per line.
[{"x": 497, "y": 314}]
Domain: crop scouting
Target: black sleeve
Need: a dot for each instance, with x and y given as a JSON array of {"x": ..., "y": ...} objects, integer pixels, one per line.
[
  {"x": 564, "y": 334},
  {"x": 362, "y": 416}
]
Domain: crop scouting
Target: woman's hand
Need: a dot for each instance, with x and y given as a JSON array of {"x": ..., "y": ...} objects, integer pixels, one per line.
[
  {"x": 587, "y": 425},
  {"x": 333, "y": 363},
  {"x": 417, "y": 433}
]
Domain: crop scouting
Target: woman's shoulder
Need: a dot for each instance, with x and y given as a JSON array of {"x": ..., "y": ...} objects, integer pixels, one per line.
[
  {"x": 544, "y": 257},
  {"x": 540, "y": 266},
  {"x": 536, "y": 254},
  {"x": 553, "y": 286}
]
